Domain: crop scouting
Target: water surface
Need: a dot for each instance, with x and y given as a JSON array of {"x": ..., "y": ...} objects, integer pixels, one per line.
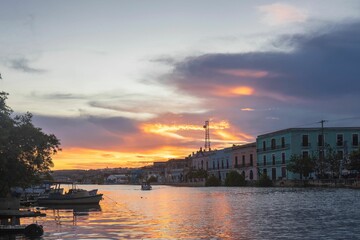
[{"x": 202, "y": 213}]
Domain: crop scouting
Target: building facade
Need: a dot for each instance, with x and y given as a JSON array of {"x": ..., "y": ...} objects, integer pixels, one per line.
[
  {"x": 275, "y": 149},
  {"x": 244, "y": 160}
]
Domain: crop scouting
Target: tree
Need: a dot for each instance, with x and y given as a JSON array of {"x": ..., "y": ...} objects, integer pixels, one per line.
[
  {"x": 303, "y": 165},
  {"x": 234, "y": 179},
  {"x": 25, "y": 151},
  {"x": 212, "y": 181},
  {"x": 354, "y": 161},
  {"x": 264, "y": 181}
]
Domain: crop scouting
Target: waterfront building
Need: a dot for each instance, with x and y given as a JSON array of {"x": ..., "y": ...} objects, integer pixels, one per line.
[
  {"x": 200, "y": 159},
  {"x": 175, "y": 170},
  {"x": 219, "y": 163},
  {"x": 244, "y": 160},
  {"x": 275, "y": 149}
]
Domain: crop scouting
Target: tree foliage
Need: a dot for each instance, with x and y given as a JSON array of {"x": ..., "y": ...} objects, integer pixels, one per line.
[
  {"x": 302, "y": 165},
  {"x": 197, "y": 173},
  {"x": 264, "y": 181},
  {"x": 25, "y": 151},
  {"x": 354, "y": 161},
  {"x": 212, "y": 181},
  {"x": 234, "y": 179}
]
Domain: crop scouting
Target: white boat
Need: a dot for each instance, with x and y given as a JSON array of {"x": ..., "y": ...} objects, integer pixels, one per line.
[
  {"x": 72, "y": 197},
  {"x": 146, "y": 186}
]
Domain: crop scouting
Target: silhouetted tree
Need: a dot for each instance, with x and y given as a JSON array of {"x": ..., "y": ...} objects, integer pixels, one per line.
[
  {"x": 301, "y": 165},
  {"x": 264, "y": 181},
  {"x": 234, "y": 179},
  {"x": 354, "y": 161},
  {"x": 212, "y": 181},
  {"x": 25, "y": 151}
]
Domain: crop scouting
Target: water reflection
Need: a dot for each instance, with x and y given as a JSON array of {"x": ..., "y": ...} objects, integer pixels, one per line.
[{"x": 240, "y": 213}]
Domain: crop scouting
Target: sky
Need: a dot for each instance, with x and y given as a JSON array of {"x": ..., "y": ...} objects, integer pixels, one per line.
[{"x": 125, "y": 83}]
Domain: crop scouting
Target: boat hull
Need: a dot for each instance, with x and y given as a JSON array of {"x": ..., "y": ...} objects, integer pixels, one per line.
[{"x": 95, "y": 199}]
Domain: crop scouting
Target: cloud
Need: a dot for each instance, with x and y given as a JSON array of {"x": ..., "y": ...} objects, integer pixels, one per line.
[
  {"x": 279, "y": 14},
  {"x": 23, "y": 64},
  {"x": 316, "y": 79}
]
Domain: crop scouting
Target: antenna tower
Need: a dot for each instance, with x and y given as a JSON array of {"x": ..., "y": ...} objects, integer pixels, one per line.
[{"x": 207, "y": 135}]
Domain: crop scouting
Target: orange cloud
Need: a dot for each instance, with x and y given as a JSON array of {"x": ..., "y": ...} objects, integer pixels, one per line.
[
  {"x": 245, "y": 73},
  {"x": 81, "y": 158},
  {"x": 170, "y": 130},
  {"x": 243, "y": 91},
  {"x": 233, "y": 91},
  {"x": 247, "y": 109}
]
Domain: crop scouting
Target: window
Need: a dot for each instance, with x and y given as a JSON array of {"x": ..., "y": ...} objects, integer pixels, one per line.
[
  {"x": 283, "y": 158},
  {"x": 243, "y": 160},
  {"x": 283, "y": 142},
  {"x": 202, "y": 164},
  {"x": 320, "y": 140},
  {"x": 305, "y": 140},
  {"x": 264, "y": 171},
  {"x": 264, "y": 146},
  {"x": 264, "y": 158},
  {"x": 305, "y": 154},
  {"x": 273, "y": 159},
  {"x": 251, "y": 160},
  {"x": 236, "y": 161},
  {"x": 273, "y": 143},
  {"x": 213, "y": 164},
  {"x": 340, "y": 155},
  {"x": 207, "y": 165},
  {"x": 251, "y": 175},
  {"x": 218, "y": 164},
  {"x": 283, "y": 172},
  {"x": 227, "y": 163},
  {"x": 355, "y": 140},
  {"x": 339, "y": 140},
  {"x": 222, "y": 164}
]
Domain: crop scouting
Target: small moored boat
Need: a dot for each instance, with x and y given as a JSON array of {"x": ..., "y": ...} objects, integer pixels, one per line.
[
  {"x": 72, "y": 197},
  {"x": 146, "y": 186}
]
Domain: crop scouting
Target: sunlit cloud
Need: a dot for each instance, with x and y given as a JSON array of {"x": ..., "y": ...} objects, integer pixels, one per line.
[
  {"x": 279, "y": 14},
  {"x": 245, "y": 73},
  {"x": 248, "y": 109},
  {"x": 171, "y": 130},
  {"x": 243, "y": 91},
  {"x": 83, "y": 158}
]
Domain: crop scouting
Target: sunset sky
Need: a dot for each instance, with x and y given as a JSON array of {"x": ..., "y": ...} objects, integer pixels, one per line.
[{"x": 124, "y": 83}]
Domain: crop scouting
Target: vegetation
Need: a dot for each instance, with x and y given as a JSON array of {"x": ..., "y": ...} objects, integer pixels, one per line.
[
  {"x": 212, "y": 181},
  {"x": 234, "y": 179},
  {"x": 354, "y": 161},
  {"x": 264, "y": 181},
  {"x": 302, "y": 165},
  {"x": 197, "y": 173},
  {"x": 25, "y": 151},
  {"x": 152, "y": 179}
]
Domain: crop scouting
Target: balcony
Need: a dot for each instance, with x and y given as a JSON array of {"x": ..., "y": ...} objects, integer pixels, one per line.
[{"x": 273, "y": 148}]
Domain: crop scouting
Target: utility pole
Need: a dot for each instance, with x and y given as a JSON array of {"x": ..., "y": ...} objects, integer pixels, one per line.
[
  {"x": 207, "y": 135},
  {"x": 322, "y": 146}
]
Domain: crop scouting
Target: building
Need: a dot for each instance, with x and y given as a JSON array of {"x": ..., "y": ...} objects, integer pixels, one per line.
[
  {"x": 219, "y": 163},
  {"x": 275, "y": 149},
  {"x": 176, "y": 170},
  {"x": 244, "y": 160}
]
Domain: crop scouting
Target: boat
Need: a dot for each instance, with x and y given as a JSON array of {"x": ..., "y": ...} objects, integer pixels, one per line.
[
  {"x": 145, "y": 186},
  {"x": 72, "y": 197}
]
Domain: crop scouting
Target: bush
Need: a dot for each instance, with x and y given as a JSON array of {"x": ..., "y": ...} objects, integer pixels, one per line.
[
  {"x": 264, "y": 181},
  {"x": 212, "y": 181},
  {"x": 234, "y": 179}
]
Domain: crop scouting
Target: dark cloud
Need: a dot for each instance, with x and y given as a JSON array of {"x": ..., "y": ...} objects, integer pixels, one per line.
[
  {"x": 87, "y": 132},
  {"x": 317, "y": 78},
  {"x": 23, "y": 64},
  {"x": 58, "y": 96}
]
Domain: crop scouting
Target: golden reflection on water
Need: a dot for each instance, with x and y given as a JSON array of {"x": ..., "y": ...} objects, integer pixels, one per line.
[
  {"x": 164, "y": 212},
  {"x": 219, "y": 213}
]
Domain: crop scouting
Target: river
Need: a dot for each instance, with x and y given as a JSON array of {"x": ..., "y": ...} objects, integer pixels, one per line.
[{"x": 209, "y": 213}]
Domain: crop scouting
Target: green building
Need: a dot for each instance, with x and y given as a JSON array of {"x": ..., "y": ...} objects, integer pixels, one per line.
[{"x": 275, "y": 149}]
